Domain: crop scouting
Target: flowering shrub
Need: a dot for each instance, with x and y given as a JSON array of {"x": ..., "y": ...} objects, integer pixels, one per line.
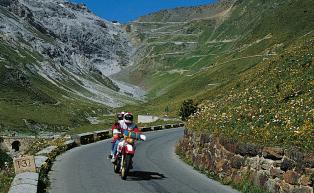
[{"x": 270, "y": 104}]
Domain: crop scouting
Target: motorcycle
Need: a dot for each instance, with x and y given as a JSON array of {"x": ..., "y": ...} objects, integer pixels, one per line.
[{"x": 126, "y": 151}]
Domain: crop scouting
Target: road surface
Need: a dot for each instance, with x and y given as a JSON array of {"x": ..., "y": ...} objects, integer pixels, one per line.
[{"x": 156, "y": 170}]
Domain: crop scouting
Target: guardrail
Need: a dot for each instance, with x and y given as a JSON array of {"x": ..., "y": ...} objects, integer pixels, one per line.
[
  {"x": 145, "y": 129},
  {"x": 101, "y": 135},
  {"x": 90, "y": 137},
  {"x": 30, "y": 182},
  {"x": 158, "y": 127},
  {"x": 168, "y": 126}
]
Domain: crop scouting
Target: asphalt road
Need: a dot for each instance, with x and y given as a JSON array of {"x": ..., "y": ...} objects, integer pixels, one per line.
[{"x": 156, "y": 170}]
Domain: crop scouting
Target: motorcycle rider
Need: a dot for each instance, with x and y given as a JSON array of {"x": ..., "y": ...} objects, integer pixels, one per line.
[
  {"x": 129, "y": 129},
  {"x": 117, "y": 132}
]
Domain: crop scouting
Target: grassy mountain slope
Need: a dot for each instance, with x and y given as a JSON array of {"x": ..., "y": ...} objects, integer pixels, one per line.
[
  {"x": 191, "y": 57},
  {"x": 29, "y": 103},
  {"x": 269, "y": 104}
]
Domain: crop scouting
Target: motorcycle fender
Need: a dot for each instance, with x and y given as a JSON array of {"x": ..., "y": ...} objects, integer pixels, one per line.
[
  {"x": 120, "y": 146},
  {"x": 129, "y": 149}
]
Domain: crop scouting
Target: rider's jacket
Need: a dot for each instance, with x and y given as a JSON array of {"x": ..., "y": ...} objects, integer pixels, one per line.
[
  {"x": 121, "y": 128},
  {"x": 132, "y": 131},
  {"x": 117, "y": 131},
  {"x": 131, "y": 127}
]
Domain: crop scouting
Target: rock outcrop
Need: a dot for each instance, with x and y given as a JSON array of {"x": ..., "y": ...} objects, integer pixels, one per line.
[{"x": 65, "y": 43}]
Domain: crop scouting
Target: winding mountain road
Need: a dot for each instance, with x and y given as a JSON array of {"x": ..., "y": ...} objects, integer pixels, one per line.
[{"x": 156, "y": 169}]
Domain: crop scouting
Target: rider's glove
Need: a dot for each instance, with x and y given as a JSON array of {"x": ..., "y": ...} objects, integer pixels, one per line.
[
  {"x": 143, "y": 137},
  {"x": 116, "y": 131}
]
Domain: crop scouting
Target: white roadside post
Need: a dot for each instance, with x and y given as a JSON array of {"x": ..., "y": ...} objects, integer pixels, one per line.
[
  {"x": 24, "y": 164},
  {"x": 26, "y": 179}
]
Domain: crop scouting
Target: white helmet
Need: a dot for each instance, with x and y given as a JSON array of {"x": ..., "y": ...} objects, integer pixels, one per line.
[{"x": 128, "y": 118}]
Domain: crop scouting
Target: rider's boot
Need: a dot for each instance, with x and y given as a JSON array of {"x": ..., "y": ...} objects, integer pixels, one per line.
[{"x": 114, "y": 159}]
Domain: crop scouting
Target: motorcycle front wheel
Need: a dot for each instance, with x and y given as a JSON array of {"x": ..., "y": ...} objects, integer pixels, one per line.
[{"x": 126, "y": 166}]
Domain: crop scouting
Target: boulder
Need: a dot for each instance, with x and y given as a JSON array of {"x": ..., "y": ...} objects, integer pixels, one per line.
[
  {"x": 285, "y": 187},
  {"x": 291, "y": 177},
  {"x": 272, "y": 185},
  {"x": 266, "y": 164},
  {"x": 301, "y": 189},
  {"x": 309, "y": 171},
  {"x": 253, "y": 162},
  {"x": 273, "y": 153},
  {"x": 305, "y": 180},
  {"x": 287, "y": 164},
  {"x": 219, "y": 165},
  {"x": 237, "y": 177},
  {"x": 308, "y": 161},
  {"x": 229, "y": 144},
  {"x": 276, "y": 172},
  {"x": 237, "y": 161},
  {"x": 295, "y": 154},
  {"x": 261, "y": 178},
  {"x": 204, "y": 138},
  {"x": 248, "y": 150}
]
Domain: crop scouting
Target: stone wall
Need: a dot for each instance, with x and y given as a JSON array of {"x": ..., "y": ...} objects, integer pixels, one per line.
[
  {"x": 24, "y": 143},
  {"x": 271, "y": 168}
]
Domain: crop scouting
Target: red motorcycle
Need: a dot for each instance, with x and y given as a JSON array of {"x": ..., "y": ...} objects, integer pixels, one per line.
[{"x": 126, "y": 151}]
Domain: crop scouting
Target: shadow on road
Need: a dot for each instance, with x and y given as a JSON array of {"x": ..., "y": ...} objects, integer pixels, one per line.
[{"x": 144, "y": 175}]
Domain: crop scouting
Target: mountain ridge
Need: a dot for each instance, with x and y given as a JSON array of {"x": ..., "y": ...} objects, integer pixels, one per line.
[{"x": 58, "y": 56}]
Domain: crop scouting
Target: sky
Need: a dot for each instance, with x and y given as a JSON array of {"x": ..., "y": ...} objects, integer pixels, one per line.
[{"x": 129, "y": 10}]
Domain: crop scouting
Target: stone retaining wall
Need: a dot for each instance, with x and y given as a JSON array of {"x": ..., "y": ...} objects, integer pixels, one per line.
[{"x": 271, "y": 168}]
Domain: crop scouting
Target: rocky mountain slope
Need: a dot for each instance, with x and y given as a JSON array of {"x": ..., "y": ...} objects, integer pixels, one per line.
[{"x": 55, "y": 58}]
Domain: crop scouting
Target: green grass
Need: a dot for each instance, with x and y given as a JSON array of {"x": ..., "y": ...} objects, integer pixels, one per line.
[
  {"x": 245, "y": 186},
  {"x": 27, "y": 96},
  {"x": 269, "y": 104},
  {"x": 105, "y": 123},
  {"x": 237, "y": 78},
  {"x": 248, "y": 23}
]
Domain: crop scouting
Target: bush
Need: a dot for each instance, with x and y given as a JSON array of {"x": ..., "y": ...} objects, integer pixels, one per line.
[
  {"x": 187, "y": 108},
  {"x": 4, "y": 157}
]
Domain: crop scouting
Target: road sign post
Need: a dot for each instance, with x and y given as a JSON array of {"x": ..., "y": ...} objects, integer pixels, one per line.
[{"x": 24, "y": 164}]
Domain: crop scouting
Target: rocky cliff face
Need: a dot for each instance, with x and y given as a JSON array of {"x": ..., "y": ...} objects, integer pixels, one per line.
[{"x": 65, "y": 44}]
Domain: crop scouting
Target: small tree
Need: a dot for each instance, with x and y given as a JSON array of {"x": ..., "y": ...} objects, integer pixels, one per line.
[
  {"x": 187, "y": 108},
  {"x": 167, "y": 109}
]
